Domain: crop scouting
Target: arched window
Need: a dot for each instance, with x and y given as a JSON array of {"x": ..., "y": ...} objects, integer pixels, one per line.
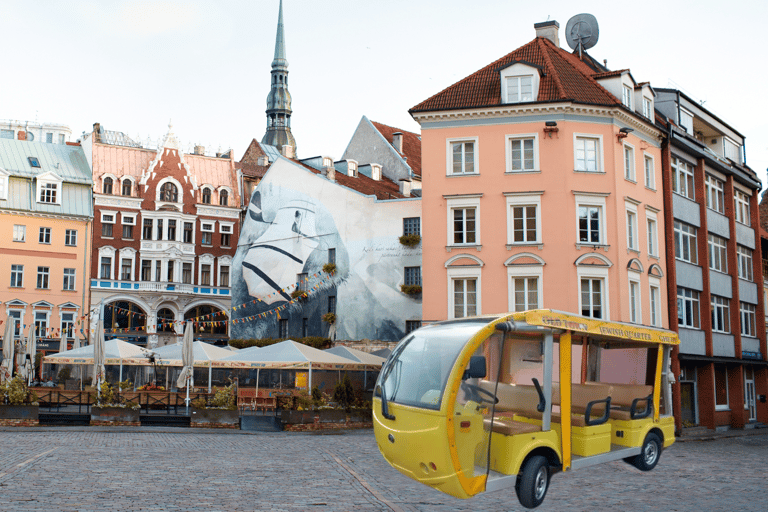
[
  {"x": 127, "y": 187},
  {"x": 223, "y": 198},
  {"x": 168, "y": 192},
  {"x": 107, "y": 188},
  {"x": 206, "y": 195},
  {"x": 124, "y": 315},
  {"x": 211, "y": 321},
  {"x": 165, "y": 319}
]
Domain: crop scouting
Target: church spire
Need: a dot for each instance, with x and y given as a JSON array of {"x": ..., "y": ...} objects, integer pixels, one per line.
[{"x": 279, "y": 99}]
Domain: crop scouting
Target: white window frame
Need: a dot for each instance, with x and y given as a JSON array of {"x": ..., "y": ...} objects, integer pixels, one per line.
[
  {"x": 209, "y": 230},
  {"x": 632, "y": 221},
  {"x": 522, "y": 137},
  {"x": 113, "y": 214},
  {"x": 649, "y": 167},
  {"x": 70, "y": 238},
  {"x": 122, "y": 184},
  {"x": 654, "y": 301},
  {"x": 647, "y": 108},
  {"x": 3, "y": 186},
  {"x": 741, "y": 207},
  {"x": 42, "y": 185},
  {"x": 585, "y": 272},
  {"x": 748, "y": 319},
  {"x": 524, "y": 272},
  {"x": 107, "y": 252},
  {"x": 717, "y": 247},
  {"x": 465, "y": 273},
  {"x": 731, "y": 150},
  {"x": 225, "y": 261},
  {"x": 652, "y": 225},
  {"x": 686, "y": 186},
  {"x": 519, "y": 71},
  {"x": 45, "y": 235},
  {"x": 47, "y": 313},
  {"x": 715, "y": 188},
  {"x": 72, "y": 279},
  {"x": 17, "y": 271},
  {"x": 626, "y": 96},
  {"x": 693, "y": 297},
  {"x": 205, "y": 259},
  {"x": 686, "y": 120},
  {"x": 720, "y": 308},
  {"x": 592, "y": 201},
  {"x": 684, "y": 238},
  {"x": 635, "y": 300},
  {"x": 449, "y": 156},
  {"x": 629, "y": 163},
  {"x": 744, "y": 257},
  {"x": 463, "y": 202},
  {"x": 127, "y": 253},
  {"x": 203, "y": 190},
  {"x": 515, "y": 200},
  {"x": 47, "y": 279},
  {"x": 599, "y": 164},
  {"x": 19, "y": 233},
  {"x": 519, "y": 80}
]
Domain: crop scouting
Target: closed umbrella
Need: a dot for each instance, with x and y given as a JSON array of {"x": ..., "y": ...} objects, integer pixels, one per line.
[
  {"x": 6, "y": 368},
  {"x": 31, "y": 351},
  {"x": 187, "y": 359},
  {"x": 98, "y": 356}
]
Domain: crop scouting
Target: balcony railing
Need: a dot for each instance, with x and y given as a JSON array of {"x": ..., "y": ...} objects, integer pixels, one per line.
[{"x": 152, "y": 286}]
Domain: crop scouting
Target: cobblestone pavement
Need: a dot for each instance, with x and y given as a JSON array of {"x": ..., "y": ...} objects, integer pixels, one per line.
[{"x": 165, "y": 469}]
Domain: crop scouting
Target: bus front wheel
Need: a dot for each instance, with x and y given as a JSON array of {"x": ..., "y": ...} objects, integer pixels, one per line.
[
  {"x": 533, "y": 482},
  {"x": 649, "y": 454}
]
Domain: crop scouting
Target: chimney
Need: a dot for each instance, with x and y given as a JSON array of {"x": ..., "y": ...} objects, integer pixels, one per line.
[
  {"x": 22, "y": 135},
  {"x": 548, "y": 30},
  {"x": 199, "y": 150},
  {"x": 397, "y": 141},
  {"x": 263, "y": 161},
  {"x": 96, "y": 132},
  {"x": 287, "y": 151},
  {"x": 330, "y": 173},
  {"x": 405, "y": 188}
]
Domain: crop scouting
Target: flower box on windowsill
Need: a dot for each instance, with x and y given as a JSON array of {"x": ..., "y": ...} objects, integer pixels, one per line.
[
  {"x": 410, "y": 240},
  {"x": 410, "y": 289}
]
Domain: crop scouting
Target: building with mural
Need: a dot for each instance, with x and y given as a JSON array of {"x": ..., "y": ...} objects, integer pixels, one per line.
[
  {"x": 166, "y": 225},
  {"x": 45, "y": 220},
  {"x": 714, "y": 267}
]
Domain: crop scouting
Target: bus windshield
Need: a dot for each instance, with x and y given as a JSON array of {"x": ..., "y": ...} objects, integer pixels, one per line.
[{"x": 417, "y": 372}]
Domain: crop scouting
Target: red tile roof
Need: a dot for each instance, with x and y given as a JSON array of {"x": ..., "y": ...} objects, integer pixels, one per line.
[
  {"x": 565, "y": 78},
  {"x": 411, "y": 145},
  {"x": 384, "y": 189},
  {"x": 249, "y": 163}
]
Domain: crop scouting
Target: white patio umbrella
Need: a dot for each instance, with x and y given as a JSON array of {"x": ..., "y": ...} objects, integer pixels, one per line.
[
  {"x": 187, "y": 359},
  {"x": 6, "y": 367},
  {"x": 98, "y": 356},
  {"x": 29, "y": 362}
]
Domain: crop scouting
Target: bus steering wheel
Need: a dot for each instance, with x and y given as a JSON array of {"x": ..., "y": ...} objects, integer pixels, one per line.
[{"x": 482, "y": 395}]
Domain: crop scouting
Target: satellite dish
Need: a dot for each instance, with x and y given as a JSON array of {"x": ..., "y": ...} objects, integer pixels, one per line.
[{"x": 582, "y": 32}]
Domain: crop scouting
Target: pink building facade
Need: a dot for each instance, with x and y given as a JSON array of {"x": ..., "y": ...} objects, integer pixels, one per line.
[{"x": 542, "y": 189}]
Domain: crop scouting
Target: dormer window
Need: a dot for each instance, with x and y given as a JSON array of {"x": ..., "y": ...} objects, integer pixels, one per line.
[
  {"x": 626, "y": 96},
  {"x": 519, "y": 89},
  {"x": 127, "y": 185},
  {"x": 107, "y": 188},
  {"x": 49, "y": 193},
  {"x": 327, "y": 162},
  {"x": 3, "y": 186},
  {"x": 223, "y": 198},
  {"x": 206, "y": 196},
  {"x": 647, "y": 108}
]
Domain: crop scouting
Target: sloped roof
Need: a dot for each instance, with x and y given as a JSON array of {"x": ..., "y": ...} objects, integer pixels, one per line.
[
  {"x": 248, "y": 164},
  {"x": 201, "y": 351},
  {"x": 411, "y": 145},
  {"x": 113, "y": 349},
  {"x": 356, "y": 355},
  {"x": 382, "y": 189},
  {"x": 564, "y": 78},
  {"x": 67, "y": 161},
  {"x": 286, "y": 354}
]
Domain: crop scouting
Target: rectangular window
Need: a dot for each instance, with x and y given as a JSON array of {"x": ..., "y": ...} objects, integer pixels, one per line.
[
  {"x": 49, "y": 137},
  {"x": 721, "y": 387},
  {"x": 522, "y": 155},
  {"x": 146, "y": 233},
  {"x": 464, "y": 297},
  {"x": 626, "y": 96},
  {"x": 587, "y": 156},
  {"x": 412, "y": 325},
  {"x": 590, "y": 224},
  {"x": 42, "y": 277},
  {"x": 171, "y": 229},
  {"x": 107, "y": 220},
  {"x": 70, "y": 237},
  {"x": 720, "y": 314},
  {"x": 106, "y": 268},
  {"x": 526, "y": 292},
  {"x": 48, "y": 192},
  {"x": 714, "y": 194},
  {"x": 205, "y": 275},
  {"x": 682, "y": 178},
  {"x": 685, "y": 243},
  {"x": 524, "y": 224},
  {"x": 650, "y": 172},
  {"x": 412, "y": 276},
  {"x": 412, "y": 226},
  {"x": 744, "y": 258},
  {"x": 462, "y": 157},
  {"x": 159, "y": 229},
  {"x": 41, "y": 323},
  {"x": 125, "y": 269},
  {"x": 126, "y": 187},
  {"x": 45, "y": 236},
  {"x": 519, "y": 89},
  {"x": 6, "y": 134},
  {"x": 686, "y": 121},
  {"x": 283, "y": 328},
  {"x": 592, "y": 297},
  {"x": 158, "y": 271},
  {"x": 632, "y": 230},
  {"x": 17, "y": 276},
  {"x": 69, "y": 279},
  {"x": 188, "y": 227},
  {"x": 331, "y": 303},
  {"x": 747, "y": 312},
  {"x": 647, "y": 110},
  {"x": 634, "y": 303},
  {"x": 15, "y": 316},
  {"x": 67, "y": 325},
  {"x": 186, "y": 273},
  {"x": 653, "y": 240},
  {"x": 629, "y": 163},
  {"x": 127, "y": 231},
  {"x": 718, "y": 259},
  {"x": 225, "y": 239},
  {"x": 332, "y": 255},
  {"x": 741, "y": 202},
  {"x": 463, "y": 225},
  {"x": 19, "y": 233},
  {"x": 171, "y": 278},
  {"x": 223, "y": 275},
  {"x": 655, "y": 294},
  {"x": 687, "y": 308},
  {"x": 146, "y": 270},
  {"x": 207, "y": 230}
]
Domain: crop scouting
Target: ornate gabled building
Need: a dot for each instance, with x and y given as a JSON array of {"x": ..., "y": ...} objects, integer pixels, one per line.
[
  {"x": 279, "y": 99},
  {"x": 165, "y": 232}
]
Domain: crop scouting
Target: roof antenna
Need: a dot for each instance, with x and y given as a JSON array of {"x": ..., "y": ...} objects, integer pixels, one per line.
[{"x": 582, "y": 32}]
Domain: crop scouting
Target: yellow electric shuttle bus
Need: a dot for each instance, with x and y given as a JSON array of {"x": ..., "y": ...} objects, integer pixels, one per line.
[{"x": 487, "y": 403}]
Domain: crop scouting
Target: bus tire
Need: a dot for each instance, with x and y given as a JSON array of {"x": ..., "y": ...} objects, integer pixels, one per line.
[
  {"x": 649, "y": 454},
  {"x": 533, "y": 482}
]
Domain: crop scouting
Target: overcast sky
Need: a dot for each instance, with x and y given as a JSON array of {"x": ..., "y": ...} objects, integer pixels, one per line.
[{"x": 135, "y": 65}]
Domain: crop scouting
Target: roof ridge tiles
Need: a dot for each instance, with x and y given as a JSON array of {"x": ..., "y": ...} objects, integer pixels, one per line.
[{"x": 548, "y": 62}]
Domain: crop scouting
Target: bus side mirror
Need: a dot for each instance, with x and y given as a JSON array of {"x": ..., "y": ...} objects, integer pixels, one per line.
[{"x": 476, "y": 368}]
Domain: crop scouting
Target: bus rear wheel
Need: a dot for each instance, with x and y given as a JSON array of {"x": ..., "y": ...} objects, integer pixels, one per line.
[
  {"x": 533, "y": 482},
  {"x": 649, "y": 453}
]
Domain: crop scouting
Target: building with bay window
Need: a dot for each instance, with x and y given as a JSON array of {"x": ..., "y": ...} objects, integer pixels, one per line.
[{"x": 166, "y": 224}]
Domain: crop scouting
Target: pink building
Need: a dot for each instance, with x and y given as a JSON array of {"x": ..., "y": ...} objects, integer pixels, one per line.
[{"x": 542, "y": 188}]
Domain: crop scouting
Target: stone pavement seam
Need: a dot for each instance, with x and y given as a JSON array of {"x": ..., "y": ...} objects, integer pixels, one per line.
[{"x": 370, "y": 489}]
